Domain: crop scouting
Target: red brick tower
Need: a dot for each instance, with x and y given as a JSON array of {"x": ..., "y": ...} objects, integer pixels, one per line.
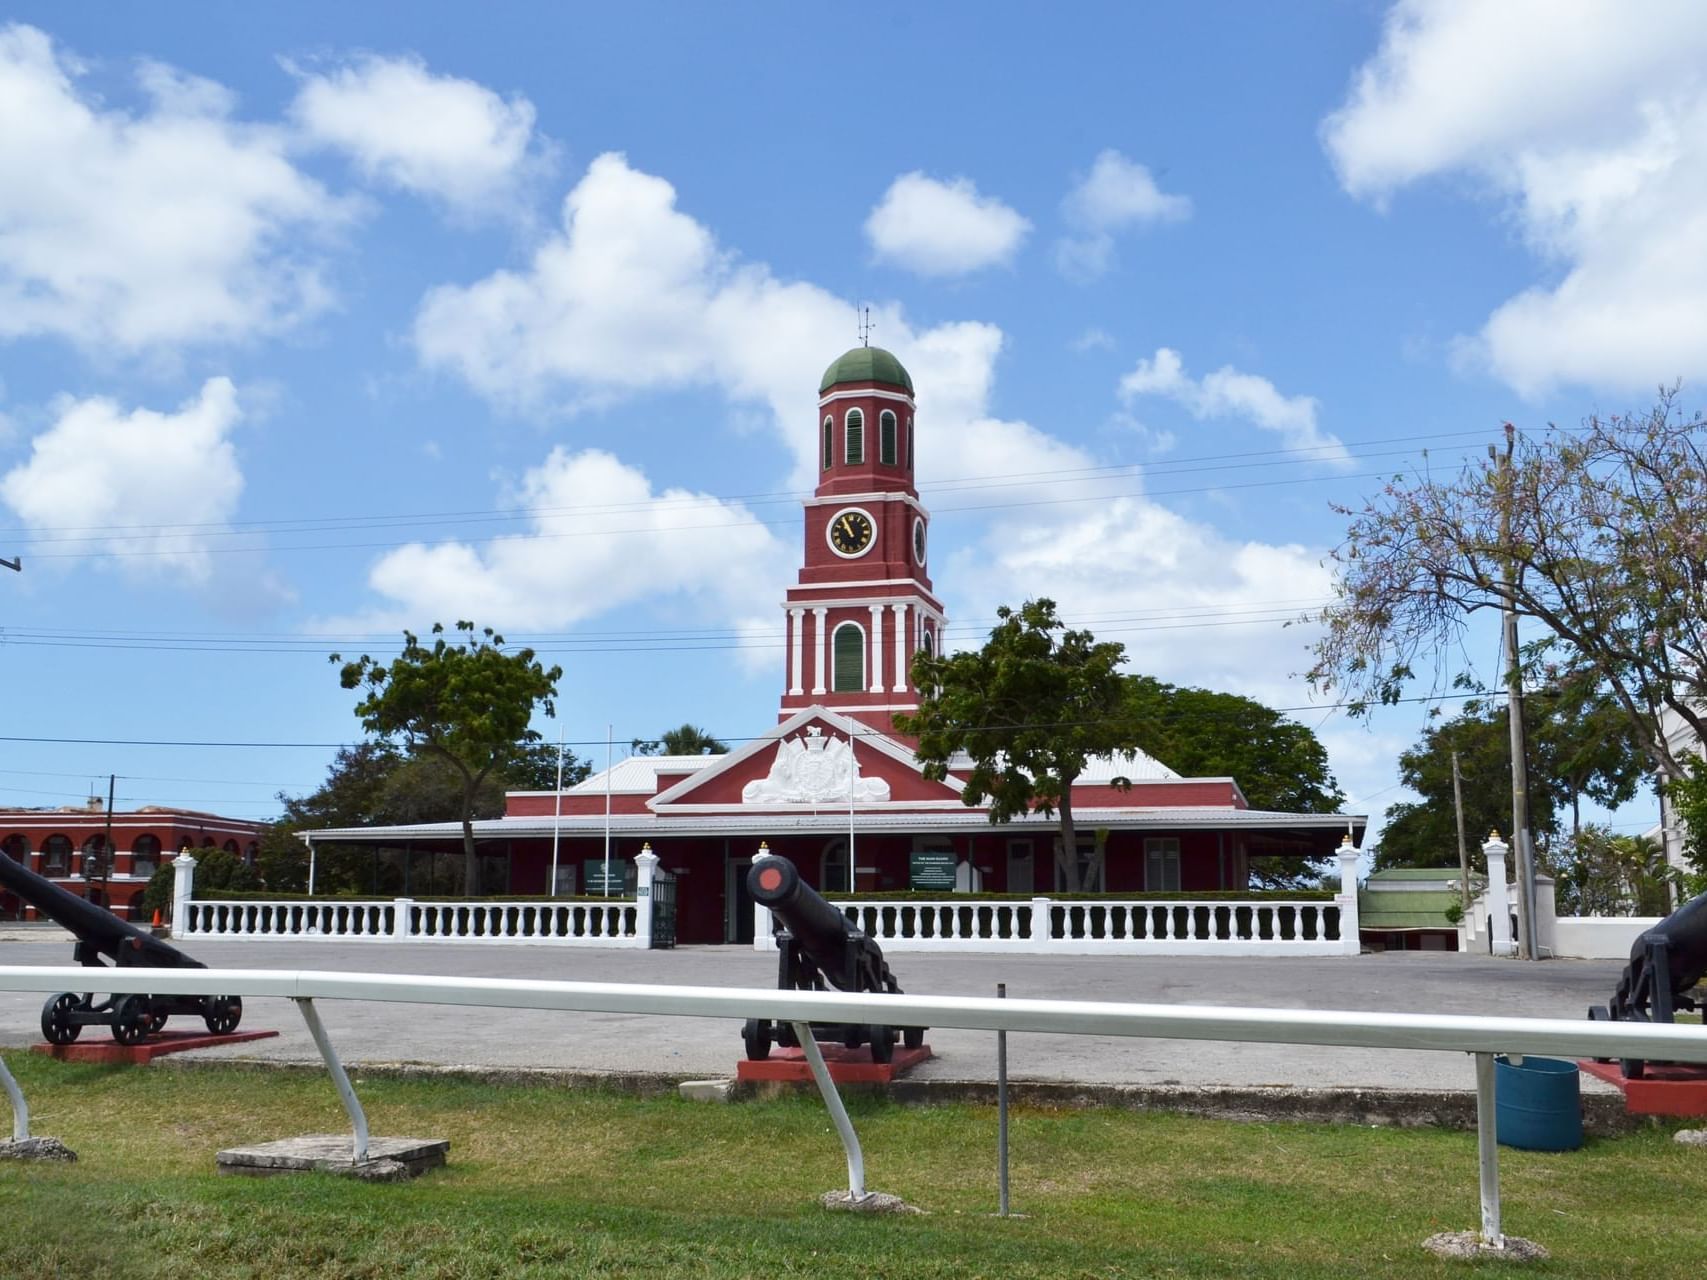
[{"x": 863, "y": 605}]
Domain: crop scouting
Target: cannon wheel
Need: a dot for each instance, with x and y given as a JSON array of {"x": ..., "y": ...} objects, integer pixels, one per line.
[
  {"x": 156, "y": 1019},
  {"x": 132, "y": 1020},
  {"x": 56, "y": 1024},
  {"x": 913, "y": 1037},
  {"x": 882, "y": 1044},
  {"x": 757, "y": 1034},
  {"x": 222, "y": 1014}
]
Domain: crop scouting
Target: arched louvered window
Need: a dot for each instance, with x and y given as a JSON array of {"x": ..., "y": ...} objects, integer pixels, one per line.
[
  {"x": 910, "y": 459},
  {"x": 145, "y": 855},
  {"x": 829, "y": 448},
  {"x": 849, "y": 659},
  {"x": 930, "y": 645},
  {"x": 835, "y": 870},
  {"x": 855, "y": 436},
  {"x": 886, "y": 438},
  {"x": 56, "y": 856},
  {"x": 16, "y": 847}
]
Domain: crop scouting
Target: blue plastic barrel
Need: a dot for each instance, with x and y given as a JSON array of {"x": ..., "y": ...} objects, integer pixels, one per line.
[{"x": 1538, "y": 1104}]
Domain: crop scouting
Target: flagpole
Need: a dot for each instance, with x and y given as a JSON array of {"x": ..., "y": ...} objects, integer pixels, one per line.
[
  {"x": 557, "y": 810},
  {"x": 853, "y": 766},
  {"x": 607, "y": 807}
]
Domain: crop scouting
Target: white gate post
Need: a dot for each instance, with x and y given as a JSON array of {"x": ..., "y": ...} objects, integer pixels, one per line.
[
  {"x": 401, "y": 911},
  {"x": 1347, "y": 898},
  {"x": 764, "y": 927},
  {"x": 1499, "y": 906},
  {"x": 183, "y": 888},
  {"x": 645, "y": 868}
]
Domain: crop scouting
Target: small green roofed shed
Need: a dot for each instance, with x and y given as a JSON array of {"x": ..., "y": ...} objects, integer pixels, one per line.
[
  {"x": 866, "y": 364},
  {"x": 1408, "y": 898}
]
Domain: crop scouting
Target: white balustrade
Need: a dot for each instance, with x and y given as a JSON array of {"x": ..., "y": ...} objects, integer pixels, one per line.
[
  {"x": 1107, "y": 925},
  {"x": 604, "y": 924}
]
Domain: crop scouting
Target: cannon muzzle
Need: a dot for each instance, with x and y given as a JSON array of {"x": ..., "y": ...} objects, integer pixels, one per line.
[{"x": 820, "y": 930}]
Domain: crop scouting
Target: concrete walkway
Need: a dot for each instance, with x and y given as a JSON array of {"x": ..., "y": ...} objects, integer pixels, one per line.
[{"x": 693, "y": 1047}]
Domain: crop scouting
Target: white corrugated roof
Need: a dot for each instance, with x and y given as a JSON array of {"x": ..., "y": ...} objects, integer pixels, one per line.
[
  {"x": 638, "y": 775},
  {"x": 1099, "y": 770}
]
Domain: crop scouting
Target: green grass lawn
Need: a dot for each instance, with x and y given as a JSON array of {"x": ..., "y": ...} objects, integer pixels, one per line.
[{"x": 547, "y": 1182}]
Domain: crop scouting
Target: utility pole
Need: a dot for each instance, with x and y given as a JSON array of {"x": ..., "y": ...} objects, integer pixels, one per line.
[
  {"x": 104, "y": 859},
  {"x": 1463, "y": 849},
  {"x": 1521, "y": 836}
]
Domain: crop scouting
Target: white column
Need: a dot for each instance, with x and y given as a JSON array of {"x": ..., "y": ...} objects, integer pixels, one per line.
[
  {"x": 823, "y": 650},
  {"x": 764, "y": 928},
  {"x": 900, "y": 685},
  {"x": 1499, "y": 907},
  {"x": 401, "y": 911},
  {"x": 876, "y": 646},
  {"x": 796, "y": 625},
  {"x": 1347, "y": 898},
  {"x": 645, "y": 868},
  {"x": 183, "y": 889}
]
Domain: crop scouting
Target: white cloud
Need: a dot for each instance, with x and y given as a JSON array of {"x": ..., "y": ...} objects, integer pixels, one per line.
[
  {"x": 138, "y": 230},
  {"x": 1593, "y": 126},
  {"x": 634, "y": 295},
  {"x": 100, "y": 468},
  {"x": 599, "y": 539},
  {"x": 1228, "y": 393},
  {"x": 943, "y": 228},
  {"x": 434, "y": 135},
  {"x": 1116, "y": 195}
]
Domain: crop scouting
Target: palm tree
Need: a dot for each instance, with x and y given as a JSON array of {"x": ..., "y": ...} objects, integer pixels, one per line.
[{"x": 685, "y": 740}]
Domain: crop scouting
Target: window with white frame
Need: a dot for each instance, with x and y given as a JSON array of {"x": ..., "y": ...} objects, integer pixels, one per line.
[
  {"x": 855, "y": 432},
  {"x": 1090, "y": 866},
  {"x": 886, "y": 438},
  {"x": 835, "y": 869},
  {"x": 829, "y": 442},
  {"x": 848, "y": 659},
  {"x": 1161, "y": 864}
]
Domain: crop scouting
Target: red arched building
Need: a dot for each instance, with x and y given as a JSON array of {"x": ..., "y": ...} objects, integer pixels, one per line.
[{"x": 833, "y": 786}]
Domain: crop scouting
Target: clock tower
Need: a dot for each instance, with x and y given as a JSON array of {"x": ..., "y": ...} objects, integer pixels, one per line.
[{"x": 863, "y": 604}]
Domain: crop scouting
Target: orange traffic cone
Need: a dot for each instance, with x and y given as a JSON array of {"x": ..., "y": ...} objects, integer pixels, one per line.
[{"x": 156, "y": 917}]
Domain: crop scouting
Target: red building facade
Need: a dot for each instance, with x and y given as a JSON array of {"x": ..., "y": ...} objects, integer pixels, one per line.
[
  {"x": 833, "y": 786},
  {"x": 65, "y": 846}
]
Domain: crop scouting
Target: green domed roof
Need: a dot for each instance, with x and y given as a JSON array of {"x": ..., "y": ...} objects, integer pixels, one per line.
[{"x": 866, "y": 364}]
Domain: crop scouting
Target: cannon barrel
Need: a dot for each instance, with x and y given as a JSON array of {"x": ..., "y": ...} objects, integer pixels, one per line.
[
  {"x": 95, "y": 926},
  {"x": 821, "y": 931},
  {"x": 1685, "y": 934}
]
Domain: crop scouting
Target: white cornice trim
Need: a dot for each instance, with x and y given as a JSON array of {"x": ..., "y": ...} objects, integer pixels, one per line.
[
  {"x": 887, "y": 806},
  {"x": 876, "y": 495},
  {"x": 872, "y": 394},
  {"x": 848, "y": 602}
]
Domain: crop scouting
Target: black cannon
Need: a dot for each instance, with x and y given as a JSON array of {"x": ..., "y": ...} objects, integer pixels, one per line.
[
  {"x": 820, "y": 949},
  {"x": 1665, "y": 962},
  {"x": 103, "y": 940}
]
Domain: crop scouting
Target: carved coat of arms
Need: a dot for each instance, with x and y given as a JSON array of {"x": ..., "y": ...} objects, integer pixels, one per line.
[{"x": 813, "y": 769}]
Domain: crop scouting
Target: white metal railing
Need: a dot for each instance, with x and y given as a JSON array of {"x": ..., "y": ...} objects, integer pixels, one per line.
[
  {"x": 1481, "y": 1037},
  {"x": 617, "y": 923},
  {"x": 1130, "y": 926}
]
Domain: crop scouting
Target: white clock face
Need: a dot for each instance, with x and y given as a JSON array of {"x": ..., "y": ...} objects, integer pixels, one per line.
[{"x": 919, "y": 541}]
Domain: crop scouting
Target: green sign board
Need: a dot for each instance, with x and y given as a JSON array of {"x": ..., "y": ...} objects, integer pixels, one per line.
[
  {"x": 593, "y": 877},
  {"x": 932, "y": 869}
]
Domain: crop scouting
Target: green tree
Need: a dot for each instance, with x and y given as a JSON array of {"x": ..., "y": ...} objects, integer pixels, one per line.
[
  {"x": 685, "y": 740},
  {"x": 466, "y": 704},
  {"x": 215, "y": 869},
  {"x": 1278, "y": 763},
  {"x": 1030, "y": 708},
  {"x": 1600, "y": 874},
  {"x": 1424, "y": 833},
  {"x": 1604, "y": 530},
  {"x": 1688, "y": 796}
]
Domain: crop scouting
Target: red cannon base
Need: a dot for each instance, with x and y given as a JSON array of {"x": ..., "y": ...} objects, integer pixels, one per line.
[
  {"x": 156, "y": 1045},
  {"x": 847, "y": 1066},
  {"x": 1662, "y": 1091}
]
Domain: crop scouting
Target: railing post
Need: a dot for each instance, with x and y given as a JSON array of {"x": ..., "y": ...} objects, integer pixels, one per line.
[
  {"x": 764, "y": 928},
  {"x": 183, "y": 887},
  {"x": 1488, "y": 1151},
  {"x": 1347, "y": 897},
  {"x": 645, "y": 868},
  {"x": 402, "y": 909},
  {"x": 1499, "y": 908},
  {"x": 1042, "y": 921}
]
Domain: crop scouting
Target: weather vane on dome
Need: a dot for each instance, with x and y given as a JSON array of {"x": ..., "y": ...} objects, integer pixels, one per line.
[{"x": 865, "y": 327}]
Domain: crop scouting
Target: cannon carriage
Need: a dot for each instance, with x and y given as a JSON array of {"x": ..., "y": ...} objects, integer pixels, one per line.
[
  {"x": 1666, "y": 961},
  {"x": 820, "y": 949},
  {"x": 103, "y": 941}
]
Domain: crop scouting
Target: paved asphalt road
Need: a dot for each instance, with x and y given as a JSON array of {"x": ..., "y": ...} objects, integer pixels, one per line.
[{"x": 704, "y": 1048}]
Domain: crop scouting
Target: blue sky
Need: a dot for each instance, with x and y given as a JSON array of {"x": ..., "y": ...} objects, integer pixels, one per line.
[{"x": 321, "y": 321}]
